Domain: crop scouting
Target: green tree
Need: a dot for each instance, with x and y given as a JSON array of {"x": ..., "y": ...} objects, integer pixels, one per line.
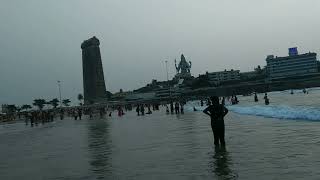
[
  {"x": 39, "y": 103},
  {"x": 80, "y": 98},
  {"x": 66, "y": 102},
  {"x": 26, "y": 107},
  {"x": 12, "y": 108},
  {"x": 54, "y": 102}
]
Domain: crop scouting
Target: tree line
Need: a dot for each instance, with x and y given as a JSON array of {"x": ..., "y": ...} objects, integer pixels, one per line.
[{"x": 40, "y": 103}]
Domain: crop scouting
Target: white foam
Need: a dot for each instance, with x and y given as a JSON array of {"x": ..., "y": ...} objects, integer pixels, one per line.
[
  {"x": 279, "y": 111},
  {"x": 272, "y": 111}
]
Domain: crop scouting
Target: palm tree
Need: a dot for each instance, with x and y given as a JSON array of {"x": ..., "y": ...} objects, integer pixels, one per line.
[
  {"x": 66, "y": 102},
  {"x": 54, "y": 102},
  {"x": 39, "y": 103},
  {"x": 80, "y": 98},
  {"x": 12, "y": 108},
  {"x": 26, "y": 107}
]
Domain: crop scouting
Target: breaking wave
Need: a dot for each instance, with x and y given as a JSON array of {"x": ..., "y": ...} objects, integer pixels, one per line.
[
  {"x": 279, "y": 111},
  {"x": 271, "y": 111}
]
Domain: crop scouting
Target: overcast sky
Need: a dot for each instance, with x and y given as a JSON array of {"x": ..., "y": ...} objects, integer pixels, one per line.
[{"x": 40, "y": 39}]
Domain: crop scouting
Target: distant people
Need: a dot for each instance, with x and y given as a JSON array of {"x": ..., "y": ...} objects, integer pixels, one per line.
[
  {"x": 110, "y": 114},
  {"x": 201, "y": 102},
  {"x": 167, "y": 109},
  {"x": 90, "y": 113},
  {"x": 142, "y": 109},
  {"x": 266, "y": 99},
  {"x": 181, "y": 108},
  {"x": 149, "y": 110},
  {"x": 79, "y": 113},
  {"x": 194, "y": 109},
  {"x": 255, "y": 97},
  {"x": 304, "y": 91},
  {"x": 171, "y": 107},
  {"x": 176, "y": 107},
  {"x": 236, "y": 99},
  {"x": 217, "y": 112},
  {"x": 75, "y": 114},
  {"x": 138, "y": 110},
  {"x": 233, "y": 100},
  {"x": 120, "y": 111},
  {"x": 223, "y": 101}
]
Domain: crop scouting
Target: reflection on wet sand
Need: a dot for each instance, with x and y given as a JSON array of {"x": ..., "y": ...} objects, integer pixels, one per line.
[
  {"x": 220, "y": 163},
  {"x": 100, "y": 148}
]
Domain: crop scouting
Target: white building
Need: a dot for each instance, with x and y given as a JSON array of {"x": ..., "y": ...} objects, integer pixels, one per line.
[
  {"x": 291, "y": 66},
  {"x": 223, "y": 76}
]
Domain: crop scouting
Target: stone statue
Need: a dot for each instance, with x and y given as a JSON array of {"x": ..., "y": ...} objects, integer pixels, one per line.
[{"x": 183, "y": 67}]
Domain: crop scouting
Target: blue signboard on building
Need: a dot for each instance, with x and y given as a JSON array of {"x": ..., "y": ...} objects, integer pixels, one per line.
[{"x": 293, "y": 51}]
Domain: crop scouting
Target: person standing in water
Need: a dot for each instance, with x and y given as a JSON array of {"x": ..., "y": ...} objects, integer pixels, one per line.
[
  {"x": 266, "y": 99},
  {"x": 255, "y": 97},
  {"x": 138, "y": 110},
  {"x": 217, "y": 111},
  {"x": 171, "y": 107}
]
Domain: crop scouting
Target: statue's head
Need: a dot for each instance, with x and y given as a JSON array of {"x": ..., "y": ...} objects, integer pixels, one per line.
[{"x": 182, "y": 57}]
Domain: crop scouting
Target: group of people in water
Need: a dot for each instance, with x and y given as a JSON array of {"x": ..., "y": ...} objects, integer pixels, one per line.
[
  {"x": 45, "y": 116},
  {"x": 266, "y": 99},
  {"x": 177, "y": 107},
  {"x": 215, "y": 109},
  {"x": 140, "y": 108}
]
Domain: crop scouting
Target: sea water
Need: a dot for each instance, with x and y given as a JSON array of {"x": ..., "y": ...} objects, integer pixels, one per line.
[
  {"x": 279, "y": 141},
  {"x": 283, "y": 105}
]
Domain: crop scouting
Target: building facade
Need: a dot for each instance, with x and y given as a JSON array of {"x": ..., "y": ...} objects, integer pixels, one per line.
[
  {"x": 223, "y": 76},
  {"x": 293, "y": 65},
  {"x": 93, "y": 79}
]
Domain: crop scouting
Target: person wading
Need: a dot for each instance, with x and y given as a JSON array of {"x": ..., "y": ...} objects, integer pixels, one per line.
[{"x": 217, "y": 112}]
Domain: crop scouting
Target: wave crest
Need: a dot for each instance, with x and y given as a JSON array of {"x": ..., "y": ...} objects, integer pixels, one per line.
[{"x": 279, "y": 111}]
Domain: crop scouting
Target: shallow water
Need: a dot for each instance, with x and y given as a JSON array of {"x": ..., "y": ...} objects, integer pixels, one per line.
[
  {"x": 283, "y": 105},
  {"x": 279, "y": 141},
  {"x": 161, "y": 146}
]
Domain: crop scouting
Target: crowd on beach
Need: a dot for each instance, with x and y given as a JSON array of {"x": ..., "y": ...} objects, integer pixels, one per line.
[
  {"x": 173, "y": 107},
  {"x": 35, "y": 117}
]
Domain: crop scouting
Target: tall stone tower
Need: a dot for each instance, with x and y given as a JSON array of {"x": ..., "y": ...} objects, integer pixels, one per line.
[{"x": 93, "y": 79}]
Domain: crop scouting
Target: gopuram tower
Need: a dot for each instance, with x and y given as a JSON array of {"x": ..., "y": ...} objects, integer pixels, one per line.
[{"x": 93, "y": 79}]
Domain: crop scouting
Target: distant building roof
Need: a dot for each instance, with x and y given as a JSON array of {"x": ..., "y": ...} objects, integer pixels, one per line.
[{"x": 291, "y": 57}]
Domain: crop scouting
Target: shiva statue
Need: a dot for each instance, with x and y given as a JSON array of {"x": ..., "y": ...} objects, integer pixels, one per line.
[{"x": 183, "y": 69}]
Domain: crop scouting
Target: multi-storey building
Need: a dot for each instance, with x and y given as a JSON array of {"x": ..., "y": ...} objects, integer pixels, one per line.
[
  {"x": 291, "y": 66},
  {"x": 223, "y": 76}
]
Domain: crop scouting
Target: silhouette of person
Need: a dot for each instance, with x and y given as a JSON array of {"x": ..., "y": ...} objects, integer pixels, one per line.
[
  {"x": 142, "y": 109},
  {"x": 79, "y": 113},
  {"x": 138, "y": 110},
  {"x": 255, "y": 97},
  {"x": 171, "y": 107},
  {"x": 181, "y": 108},
  {"x": 236, "y": 99},
  {"x": 149, "y": 110},
  {"x": 266, "y": 99},
  {"x": 176, "y": 107},
  {"x": 217, "y": 111}
]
